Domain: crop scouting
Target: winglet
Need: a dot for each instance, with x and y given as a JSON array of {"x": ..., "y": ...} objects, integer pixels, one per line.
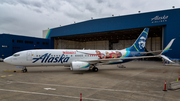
[
  {"x": 168, "y": 46},
  {"x": 166, "y": 50}
]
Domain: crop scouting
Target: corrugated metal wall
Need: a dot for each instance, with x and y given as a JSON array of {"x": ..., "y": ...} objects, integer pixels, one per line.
[
  {"x": 123, "y": 44},
  {"x": 148, "y": 44},
  {"x": 67, "y": 44},
  {"x": 152, "y": 44},
  {"x": 156, "y": 44}
]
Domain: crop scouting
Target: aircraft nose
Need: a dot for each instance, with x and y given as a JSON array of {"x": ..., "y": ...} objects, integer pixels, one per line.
[{"x": 7, "y": 60}]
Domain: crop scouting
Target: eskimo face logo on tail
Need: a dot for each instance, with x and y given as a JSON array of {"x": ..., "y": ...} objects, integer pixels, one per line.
[
  {"x": 47, "y": 58},
  {"x": 142, "y": 42}
]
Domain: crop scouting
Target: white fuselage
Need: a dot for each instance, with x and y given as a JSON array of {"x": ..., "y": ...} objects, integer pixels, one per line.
[{"x": 53, "y": 57}]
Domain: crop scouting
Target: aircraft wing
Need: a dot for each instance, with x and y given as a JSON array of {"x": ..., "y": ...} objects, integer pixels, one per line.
[{"x": 119, "y": 59}]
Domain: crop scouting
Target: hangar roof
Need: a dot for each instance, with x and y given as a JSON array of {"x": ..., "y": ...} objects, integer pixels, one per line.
[
  {"x": 125, "y": 27},
  {"x": 116, "y": 24}
]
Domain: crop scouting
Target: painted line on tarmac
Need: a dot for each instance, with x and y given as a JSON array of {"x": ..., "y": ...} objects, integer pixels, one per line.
[
  {"x": 100, "y": 89},
  {"x": 37, "y": 93},
  {"x": 10, "y": 75},
  {"x": 127, "y": 91},
  {"x": 7, "y": 75},
  {"x": 50, "y": 88},
  {"x": 3, "y": 76},
  {"x": 78, "y": 87},
  {"x": 11, "y": 70}
]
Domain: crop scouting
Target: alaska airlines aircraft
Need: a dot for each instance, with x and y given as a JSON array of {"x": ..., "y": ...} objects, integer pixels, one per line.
[{"x": 83, "y": 59}]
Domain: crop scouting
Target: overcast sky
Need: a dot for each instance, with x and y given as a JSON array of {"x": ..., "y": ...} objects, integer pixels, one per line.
[{"x": 30, "y": 17}]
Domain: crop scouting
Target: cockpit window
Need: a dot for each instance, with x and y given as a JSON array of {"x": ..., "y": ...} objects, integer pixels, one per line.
[{"x": 15, "y": 55}]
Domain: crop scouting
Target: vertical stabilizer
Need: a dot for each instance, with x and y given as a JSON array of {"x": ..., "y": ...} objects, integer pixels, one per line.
[{"x": 139, "y": 44}]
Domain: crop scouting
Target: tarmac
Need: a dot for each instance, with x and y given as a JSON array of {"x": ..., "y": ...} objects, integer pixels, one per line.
[{"x": 139, "y": 81}]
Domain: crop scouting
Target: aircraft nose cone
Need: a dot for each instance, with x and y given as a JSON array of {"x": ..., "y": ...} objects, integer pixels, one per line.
[{"x": 7, "y": 60}]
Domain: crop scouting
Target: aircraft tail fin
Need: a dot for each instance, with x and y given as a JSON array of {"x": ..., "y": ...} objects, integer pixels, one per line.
[{"x": 139, "y": 44}]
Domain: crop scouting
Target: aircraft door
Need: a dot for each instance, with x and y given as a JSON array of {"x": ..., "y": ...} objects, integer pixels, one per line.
[{"x": 29, "y": 56}]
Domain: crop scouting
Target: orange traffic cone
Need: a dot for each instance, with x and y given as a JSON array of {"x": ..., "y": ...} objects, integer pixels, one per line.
[
  {"x": 165, "y": 86},
  {"x": 80, "y": 96}
]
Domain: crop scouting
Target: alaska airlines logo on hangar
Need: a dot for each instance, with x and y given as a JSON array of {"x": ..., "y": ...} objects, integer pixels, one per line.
[{"x": 158, "y": 19}]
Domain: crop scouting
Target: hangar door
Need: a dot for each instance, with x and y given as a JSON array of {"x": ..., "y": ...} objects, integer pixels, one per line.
[
  {"x": 154, "y": 40},
  {"x": 111, "y": 40},
  {"x": 152, "y": 44},
  {"x": 68, "y": 44}
]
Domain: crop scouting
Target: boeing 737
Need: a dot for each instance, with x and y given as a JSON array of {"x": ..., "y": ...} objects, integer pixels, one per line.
[{"x": 83, "y": 59}]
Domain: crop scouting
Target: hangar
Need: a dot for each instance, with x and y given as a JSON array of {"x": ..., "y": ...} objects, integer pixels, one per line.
[
  {"x": 9, "y": 44},
  {"x": 118, "y": 32}
]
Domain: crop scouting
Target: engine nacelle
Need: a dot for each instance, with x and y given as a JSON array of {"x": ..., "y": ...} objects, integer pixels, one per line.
[{"x": 78, "y": 65}]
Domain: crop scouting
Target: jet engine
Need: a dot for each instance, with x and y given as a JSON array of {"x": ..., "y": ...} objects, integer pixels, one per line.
[{"x": 78, "y": 65}]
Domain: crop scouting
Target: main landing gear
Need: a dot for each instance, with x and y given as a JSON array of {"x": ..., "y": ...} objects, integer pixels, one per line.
[
  {"x": 94, "y": 68},
  {"x": 121, "y": 66},
  {"x": 24, "y": 70}
]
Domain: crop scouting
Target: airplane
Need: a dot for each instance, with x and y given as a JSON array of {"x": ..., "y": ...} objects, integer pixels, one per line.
[{"x": 84, "y": 59}]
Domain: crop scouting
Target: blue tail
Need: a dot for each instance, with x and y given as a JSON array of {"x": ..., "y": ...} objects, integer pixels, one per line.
[{"x": 139, "y": 44}]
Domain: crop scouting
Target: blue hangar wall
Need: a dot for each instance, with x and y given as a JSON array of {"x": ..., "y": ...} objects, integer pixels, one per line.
[
  {"x": 167, "y": 18},
  {"x": 9, "y": 44}
]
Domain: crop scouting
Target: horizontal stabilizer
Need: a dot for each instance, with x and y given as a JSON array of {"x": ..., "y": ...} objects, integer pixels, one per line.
[{"x": 166, "y": 58}]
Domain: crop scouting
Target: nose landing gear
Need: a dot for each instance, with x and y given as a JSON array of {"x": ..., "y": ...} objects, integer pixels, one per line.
[{"x": 24, "y": 70}]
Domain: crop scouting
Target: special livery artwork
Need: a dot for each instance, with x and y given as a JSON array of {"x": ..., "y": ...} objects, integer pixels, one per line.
[{"x": 106, "y": 54}]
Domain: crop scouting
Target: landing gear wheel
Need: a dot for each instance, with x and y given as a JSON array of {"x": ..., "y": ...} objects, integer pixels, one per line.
[
  {"x": 121, "y": 66},
  {"x": 95, "y": 69},
  {"x": 24, "y": 70}
]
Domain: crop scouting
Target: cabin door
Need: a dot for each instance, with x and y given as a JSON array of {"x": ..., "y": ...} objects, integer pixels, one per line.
[{"x": 29, "y": 56}]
